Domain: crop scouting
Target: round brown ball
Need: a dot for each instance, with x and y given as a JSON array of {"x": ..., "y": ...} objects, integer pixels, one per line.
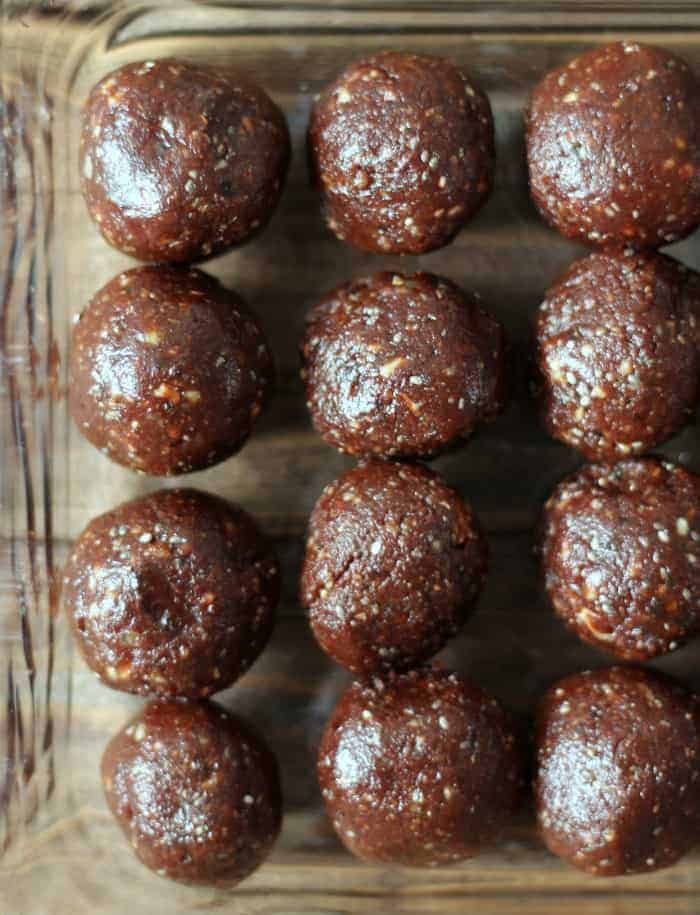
[
  {"x": 172, "y": 594},
  {"x": 402, "y": 151},
  {"x": 621, "y": 556},
  {"x": 195, "y": 791},
  {"x": 168, "y": 370},
  {"x": 394, "y": 562},
  {"x": 618, "y": 353},
  {"x": 421, "y": 769},
  {"x": 402, "y": 365},
  {"x": 617, "y": 786},
  {"x": 613, "y": 147},
  {"x": 179, "y": 161}
]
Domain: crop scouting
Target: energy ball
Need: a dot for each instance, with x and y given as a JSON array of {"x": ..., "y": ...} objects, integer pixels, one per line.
[
  {"x": 421, "y": 769},
  {"x": 180, "y": 162},
  {"x": 394, "y": 562},
  {"x": 172, "y": 594},
  {"x": 621, "y": 556},
  {"x": 402, "y": 365},
  {"x": 195, "y": 791},
  {"x": 618, "y": 353},
  {"x": 617, "y": 786},
  {"x": 402, "y": 152},
  {"x": 168, "y": 370},
  {"x": 613, "y": 147}
]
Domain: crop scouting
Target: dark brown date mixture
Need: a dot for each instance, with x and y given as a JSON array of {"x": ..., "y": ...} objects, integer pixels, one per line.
[
  {"x": 618, "y": 353},
  {"x": 613, "y": 147},
  {"x": 421, "y": 769},
  {"x": 168, "y": 370},
  {"x": 172, "y": 594},
  {"x": 195, "y": 791},
  {"x": 394, "y": 563},
  {"x": 402, "y": 152},
  {"x": 402, "y": 365},
  {"x": 179, "y": 161},
  {"x": 617, "y": 787},
  {"x": 621, "y": 556}
]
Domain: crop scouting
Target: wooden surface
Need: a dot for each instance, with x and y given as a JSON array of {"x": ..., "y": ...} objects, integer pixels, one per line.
[{"x": 73, "y": 858}]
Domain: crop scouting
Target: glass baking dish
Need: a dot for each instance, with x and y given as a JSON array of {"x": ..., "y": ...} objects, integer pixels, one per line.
[{"x": 60, "y": 852}]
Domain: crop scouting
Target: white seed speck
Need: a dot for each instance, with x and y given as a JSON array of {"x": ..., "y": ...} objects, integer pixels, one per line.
[
  {"x": 682, "y": 527},
  {"x": 443, "y": 722}
]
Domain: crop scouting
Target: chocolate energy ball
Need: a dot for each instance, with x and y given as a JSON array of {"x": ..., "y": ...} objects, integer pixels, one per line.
[
  {"x": 401, "y": 149},
  {"x": 621, "y": 556},
  {"x": 420, "y": 769},
  {"x": 168, "y": 370},
  {"x": 618, "y": 353},
  {"x": 180, "y": 161},
  {"x": 617, "y": 787},
  {"x": 401, "y": 365},
  {"x": 172, "y": 594},
  {"x": 394, "y": 562},
  {"x": 613, "y": 147},
  {"x": 195, "y": 791}
]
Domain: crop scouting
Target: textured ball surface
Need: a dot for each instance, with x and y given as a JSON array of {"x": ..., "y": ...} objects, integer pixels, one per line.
[
  {"x": 402, "y": 365},
  {"x": 179, "y": 161},
  {"x": 618, "y": 353},
  {"x": 420, "y": 770},
  {"x": 617, "y": 786},
  {"x": 402, "y": 152},
  {"x": 613, "y": 147},
  {"x": 621, "y": 556},
  {"x": 195, "y": 791},
  {"x": 172, "y": 594},
  {"x": 394, "y": 562},
  {"x": 168, "y": 371}
]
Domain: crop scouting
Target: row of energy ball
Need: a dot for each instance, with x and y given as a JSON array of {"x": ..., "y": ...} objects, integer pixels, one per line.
[
  {"x": 168, "y": 373},
  {"x": 174, "y": 595},
  {"x": 169, "y": 370},
  {"x": 180, "y": 162}
]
